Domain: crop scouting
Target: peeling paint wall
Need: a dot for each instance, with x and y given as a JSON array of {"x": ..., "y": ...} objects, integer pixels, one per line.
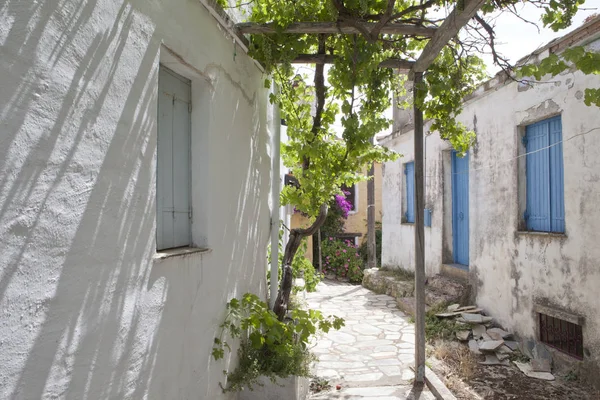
[
  {"x": 511, "y": 270},
  {"x": 87, "y": 310}
]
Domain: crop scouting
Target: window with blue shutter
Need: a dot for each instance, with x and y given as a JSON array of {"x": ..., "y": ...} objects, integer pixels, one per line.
[
  {"x": 409, "y": 172},
  {"x": 545, "y": 209},
  {"x": 173, "y": 161},
  {"x": 427, "y": 217}
]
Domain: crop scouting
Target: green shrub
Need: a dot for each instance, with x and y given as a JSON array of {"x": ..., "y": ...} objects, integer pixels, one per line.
[
  {"x": 269, "y": 347},
  {"x": 342, "y": 259},
  {"x": 301, "y": 266}
]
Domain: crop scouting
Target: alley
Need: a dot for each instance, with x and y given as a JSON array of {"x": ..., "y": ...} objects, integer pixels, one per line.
[{"x": 371, "y": 357}]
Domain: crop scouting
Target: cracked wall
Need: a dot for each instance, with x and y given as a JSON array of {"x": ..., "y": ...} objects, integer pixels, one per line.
[{"x": 511, "y": 270}]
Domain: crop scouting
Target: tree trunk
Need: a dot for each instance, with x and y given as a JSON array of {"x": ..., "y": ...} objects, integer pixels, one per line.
[
  {"x": 287, "y": 279},
  {"x": 296, "y": 235}
]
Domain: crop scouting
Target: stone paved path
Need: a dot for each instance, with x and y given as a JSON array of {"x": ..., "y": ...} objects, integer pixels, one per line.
[{"x": 370, "y": 358}]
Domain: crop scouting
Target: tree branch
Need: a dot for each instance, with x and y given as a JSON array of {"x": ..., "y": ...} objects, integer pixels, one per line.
[
  {"x": 411, "y": 9},
  {"x": 449, "y": 29},
  {"x": 343, "y": 25},
  {"x": 385, "y": 18}
]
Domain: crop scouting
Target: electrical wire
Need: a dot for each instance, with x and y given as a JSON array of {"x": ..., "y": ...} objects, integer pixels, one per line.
[{"x": 498, "y": 163}]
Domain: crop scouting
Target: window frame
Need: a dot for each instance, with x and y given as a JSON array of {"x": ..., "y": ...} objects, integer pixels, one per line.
[
  {"x": 409, "y": 201},
  {"x": 160, "y": 246},
  {"x": 544, "y": 161}
]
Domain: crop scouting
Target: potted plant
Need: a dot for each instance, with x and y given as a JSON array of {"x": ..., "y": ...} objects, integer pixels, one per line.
[{"x": 273, "y": 354}]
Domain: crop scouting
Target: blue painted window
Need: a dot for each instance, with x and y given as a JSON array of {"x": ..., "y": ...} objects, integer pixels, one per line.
[
  {"x": 427, "y": 217},
  {"x": 173, "y": 161},
  {"x": 545, "y": 210},
  {"x": 409, "y": 173}
]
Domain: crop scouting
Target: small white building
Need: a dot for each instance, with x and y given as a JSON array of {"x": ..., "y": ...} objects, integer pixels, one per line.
[
  {"x": 134, "y": 187},
  {"x": 518, "y": 216}
]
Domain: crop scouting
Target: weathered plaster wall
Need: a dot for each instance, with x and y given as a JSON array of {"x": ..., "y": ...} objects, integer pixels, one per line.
[
  {"x": 87, "y": 312},
  {"x": 398, "y": 235},
  {"x": 510, "y": 270}
]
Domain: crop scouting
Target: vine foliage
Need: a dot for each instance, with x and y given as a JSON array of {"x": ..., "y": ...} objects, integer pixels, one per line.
[
  {"x": 269, "y": 347},
  {"x": 354, "y": 91}
]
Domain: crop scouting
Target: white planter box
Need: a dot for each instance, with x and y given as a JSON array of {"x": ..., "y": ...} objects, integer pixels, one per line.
[{"x": 292, "y": 388}]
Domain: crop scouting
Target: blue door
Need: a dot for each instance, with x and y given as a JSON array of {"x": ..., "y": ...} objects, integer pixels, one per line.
[{"x": 460, "y": 208}]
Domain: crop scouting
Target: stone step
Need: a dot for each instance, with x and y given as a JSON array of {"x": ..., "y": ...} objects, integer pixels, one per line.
[
  {"x": 380, "y": 282},
  {"x": 434, "y": 297},
  {"x": 438, "y": 290},
  {"x": 455, "y": 271},
  {"x": 407, "y": 305},
  {"x": 446, "y": 285}
]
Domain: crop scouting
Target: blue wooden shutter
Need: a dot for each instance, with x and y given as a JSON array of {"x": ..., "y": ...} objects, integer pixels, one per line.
[
  {"x": 173, "y": 161},
  {"x": 537, "y": 214},
  {"x": 409, "y": 171},
  {"x": 427, "y": 217},
  {"x": 557, "y": 187},
  {"x": 545, "y": 187}
]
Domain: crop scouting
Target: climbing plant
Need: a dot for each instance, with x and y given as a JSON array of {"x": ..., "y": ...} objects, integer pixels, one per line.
[
  {"x": 578, "y": 57},
  {"x": 355, "y": 90}
]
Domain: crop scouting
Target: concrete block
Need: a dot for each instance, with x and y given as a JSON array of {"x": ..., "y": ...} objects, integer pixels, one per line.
[{"x": 292, "y": 388}]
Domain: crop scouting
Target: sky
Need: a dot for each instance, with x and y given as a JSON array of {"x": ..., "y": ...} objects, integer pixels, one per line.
[{"x": 517, "y": 39}]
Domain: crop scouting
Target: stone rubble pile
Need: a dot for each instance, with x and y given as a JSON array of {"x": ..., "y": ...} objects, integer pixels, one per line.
[{"x": 495, "y": 344}]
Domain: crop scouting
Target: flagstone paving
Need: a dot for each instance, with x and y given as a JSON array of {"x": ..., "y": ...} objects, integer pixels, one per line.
[{"x": 370, "y": 357}]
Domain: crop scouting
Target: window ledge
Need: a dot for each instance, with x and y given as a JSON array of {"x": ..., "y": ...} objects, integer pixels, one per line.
[
  {"x": 542, "y": 234},
  {"x": 560, "y": 314},
  {"x": 179, "y": 251},
  {"x": 407, "y": 223}
]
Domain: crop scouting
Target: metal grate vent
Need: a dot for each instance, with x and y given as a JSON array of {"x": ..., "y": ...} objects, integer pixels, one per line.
[{"x": 562, "y": 335}]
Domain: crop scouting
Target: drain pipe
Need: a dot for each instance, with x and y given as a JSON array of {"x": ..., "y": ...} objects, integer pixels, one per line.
[{"x": 275, "y": 189}]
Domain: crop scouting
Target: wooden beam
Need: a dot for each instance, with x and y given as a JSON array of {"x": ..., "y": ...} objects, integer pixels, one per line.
[
  {"x": 397, "y": 64},
  {"x": 314, "y": 59},
  {"x": 419, "y": 235},
  {"x": 449, "y": 29},
  {"x": 335, "y": 27},
  {"x": 218, "y": 13},
  {"x": 330, "y": 59}
]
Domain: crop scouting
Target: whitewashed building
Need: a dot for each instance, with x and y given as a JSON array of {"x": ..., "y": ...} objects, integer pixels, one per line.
[
  {"x": 134, "y": 187},
  {"x": 518, "y": 217}
]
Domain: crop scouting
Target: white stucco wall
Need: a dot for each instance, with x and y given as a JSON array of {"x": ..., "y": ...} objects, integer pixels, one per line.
[
  {"x": 87, "y": 312},
  {"x": 511, "y": 271}
]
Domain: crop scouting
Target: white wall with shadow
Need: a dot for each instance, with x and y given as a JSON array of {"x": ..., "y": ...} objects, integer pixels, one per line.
[{"x": 88, "y": 312}]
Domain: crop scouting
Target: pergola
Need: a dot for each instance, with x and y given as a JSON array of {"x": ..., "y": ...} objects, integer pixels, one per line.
[{"x": 439, "y": 37}]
